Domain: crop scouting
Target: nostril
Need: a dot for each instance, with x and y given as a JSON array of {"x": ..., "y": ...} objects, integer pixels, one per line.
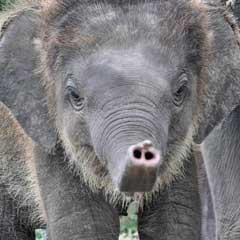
[
  {"x": 149, "y": 156},
  {"x": 137, "y": 153}
]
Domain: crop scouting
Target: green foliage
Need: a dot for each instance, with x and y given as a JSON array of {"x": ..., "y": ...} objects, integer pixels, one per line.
[
  {"x": 40, "y": 234},
  {"x": 5, "y": 3},
  {"x": 128, "y": 226}
]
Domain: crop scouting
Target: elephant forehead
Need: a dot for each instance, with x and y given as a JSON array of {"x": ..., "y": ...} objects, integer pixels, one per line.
[{"x": 119, "y": 68}]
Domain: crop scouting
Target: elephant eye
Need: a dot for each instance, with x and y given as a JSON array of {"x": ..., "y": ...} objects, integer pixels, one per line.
[
  {"x": 180, "y": 93},
  {"x": 75, "y": 99}
]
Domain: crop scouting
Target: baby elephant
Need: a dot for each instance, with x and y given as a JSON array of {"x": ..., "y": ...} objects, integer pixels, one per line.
[{"x": 101, "y": 102}]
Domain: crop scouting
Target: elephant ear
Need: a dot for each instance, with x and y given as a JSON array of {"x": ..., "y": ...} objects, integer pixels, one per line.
[
  {"x": 20, "y": 87},
  {"x": 221, "y": 76}
]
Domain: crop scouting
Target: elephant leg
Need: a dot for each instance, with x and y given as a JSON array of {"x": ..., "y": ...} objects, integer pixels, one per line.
[
  {"x": 14, "y": 221},
  {"x": 221, "y": 152},
  {"x": 73, "y": 211},
  {"x": 175, "y": 213}
]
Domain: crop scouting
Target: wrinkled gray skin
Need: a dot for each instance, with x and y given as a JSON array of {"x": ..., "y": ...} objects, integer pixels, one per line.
[
  {"x": 207, "y": 214},
  {"x": 221, "y": 159},
  {"x": 221, "y": 151},
  {"x": 114, "y": 71}
]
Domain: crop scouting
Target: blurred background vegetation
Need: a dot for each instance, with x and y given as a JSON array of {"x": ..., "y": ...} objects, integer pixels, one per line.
[
  {"x": 5, "y": 3},
  {"x": 128, "y": 224}
]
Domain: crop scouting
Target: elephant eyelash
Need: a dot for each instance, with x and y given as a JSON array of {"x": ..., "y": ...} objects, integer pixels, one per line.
[
  {"x": 75, "y": 98},
  {"x": 181, "y": 91}
]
